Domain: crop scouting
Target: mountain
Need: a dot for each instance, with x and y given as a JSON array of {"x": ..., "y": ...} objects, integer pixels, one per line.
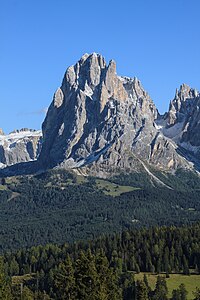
[
  {"x": 103, "y": 125},
  {"x": 182, "y": 123},
  {"x": 100, "y": 123},
  {"x": 19, "y": 146}
]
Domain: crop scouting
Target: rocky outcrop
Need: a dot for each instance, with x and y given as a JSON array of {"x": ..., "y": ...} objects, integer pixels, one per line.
[
  {"x": 182, "y": 123},
  {"x": 19, "y": 146},
  {"x": 181, "y": 107},
  {"x": 105, "y": 122},
  {"x": 1, "y": 132}
]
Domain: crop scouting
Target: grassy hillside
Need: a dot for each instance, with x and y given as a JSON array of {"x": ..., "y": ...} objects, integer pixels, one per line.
[{"x": 173, "y": 282}]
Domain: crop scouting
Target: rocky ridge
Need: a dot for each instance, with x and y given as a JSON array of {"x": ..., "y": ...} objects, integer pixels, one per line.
[
  {"x": 102, "y": 123},
  {"x": 182, "y": 122},
  {"x": 19, "y": 146}
]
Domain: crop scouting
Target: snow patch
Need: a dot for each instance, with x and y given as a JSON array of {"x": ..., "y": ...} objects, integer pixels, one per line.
[
  {"x": 125, "y": 79},
  {"x": 62, "y": 127},
  {"x": 174, "y": 132},
  {"x": 92, "y": 157},
  {"x": 158, "y": 127},
  {"x": 15, "y": 137},
  {"x": 111, "y": 103},
  {"x": 88, "y": 91}
]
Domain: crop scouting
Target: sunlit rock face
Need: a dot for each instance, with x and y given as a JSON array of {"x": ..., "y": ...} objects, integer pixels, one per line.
[
  {"x": 182, "y": 122},
  {"x": 105, "y": 122},
  {"x": 19, "y": 146}
]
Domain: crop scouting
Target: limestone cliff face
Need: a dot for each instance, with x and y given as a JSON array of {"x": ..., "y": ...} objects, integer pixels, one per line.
[
  {"x": 182, "y": 123},
  {"x": 181, "y": 107},
  {"x": 19, "y": 146},
  {"x": 104, "y": 122}
]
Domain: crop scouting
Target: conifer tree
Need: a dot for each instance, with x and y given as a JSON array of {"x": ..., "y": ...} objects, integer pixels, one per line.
[
  {"x": 64, "y": 280},
  {"x": 176, "y": 295},
  {"x": 161, "y": 290},
  {"x": 128, "y": 286},
  {"x": 147, "y": 284},
  {"x": 180, "y": 293},
  {"x": 86, "y": 277},
  {"x": 5, "y": 284},
  {"x": 186, "y": 270},
  {"x": 183, "y": 291},
  {"x": 102, "y": 267},
  {"x": 141, "y": 290}
]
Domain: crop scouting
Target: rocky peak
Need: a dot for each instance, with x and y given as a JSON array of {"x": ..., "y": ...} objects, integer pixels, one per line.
[
  {"x": 182, "y": 122},
  {"x": 87, "y": 71},
  {"x": 19, "y": 146},
  {"x": 186, "y": 92},
  {"x": 101, "y": 119},
  {"x": 182, "y": 104}
]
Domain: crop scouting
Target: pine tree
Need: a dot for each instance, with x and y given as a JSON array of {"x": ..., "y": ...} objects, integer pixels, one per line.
[
  {"x": 166, "y": 260},
  {"x": 5, "y": 284},
  {"x": 141, "y": 290},
  {"x": 176, "y": 295},
  {"x": 86, "y": 277},
  {"x": 14, "y": 267},
  {"x": 64, "y": 280},
  {"x": 128, "y": 286},
  {"x": 102, "y": 267},
  {"x": 161, "y": 290},
  {"x": 137, "y": 268},
  {"x": 180, "y": 293},
  {"x": 183, "y": 292},
  {"x": 158, "y": 266},
  {"x": 114, "y": 291},
  {"x": 147, "y": 284},
  {"x": 186, "y": 270}
]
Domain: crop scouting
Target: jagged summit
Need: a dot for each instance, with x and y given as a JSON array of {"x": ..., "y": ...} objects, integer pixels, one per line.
[
  {"x": 101, "y": 123},
  {"x": 182, "y": 104},
  {"x": 100, "y": 120},
  {"x": 181, "y": 123},
  {"x": 185, "y": 92}
]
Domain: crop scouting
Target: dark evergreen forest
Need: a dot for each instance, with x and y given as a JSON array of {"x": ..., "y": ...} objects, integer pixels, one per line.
[
  {"x": 104, "y": 268},
  {"x": 59, "y": 206},
  {"x": 67, "y": 236}
]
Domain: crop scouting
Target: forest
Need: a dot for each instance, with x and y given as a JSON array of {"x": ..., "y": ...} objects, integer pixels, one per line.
[
  {"x": 67, "y": 236},
  {"x": 105, "y": 267},
  {"x": 59, "y": 206}
]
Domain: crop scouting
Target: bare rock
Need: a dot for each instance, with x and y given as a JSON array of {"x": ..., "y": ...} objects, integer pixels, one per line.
[
  {"x": 104, "y": 122},
  {"x": 19, "y": 146}
]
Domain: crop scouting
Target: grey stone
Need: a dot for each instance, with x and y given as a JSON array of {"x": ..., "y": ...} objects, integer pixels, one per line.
[
  {"x": 102, "y": 123},
  {"x": 19, "y": 146}
]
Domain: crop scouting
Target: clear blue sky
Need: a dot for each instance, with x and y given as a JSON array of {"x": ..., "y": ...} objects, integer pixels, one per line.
[{"x": 157, "y": 41}]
